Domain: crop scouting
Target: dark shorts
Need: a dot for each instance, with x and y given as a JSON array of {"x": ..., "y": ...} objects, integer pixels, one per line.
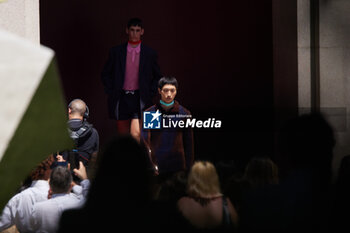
[{"x": 129, "y": 106}]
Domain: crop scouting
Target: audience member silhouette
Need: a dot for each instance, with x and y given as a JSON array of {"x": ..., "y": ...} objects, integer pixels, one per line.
[
  {"x": 301, "y": 202},
  {"x": 173, "y": 188},
  {"x": 260, "y": 171},
  {"x": 230, "y": 181},
  {"x": 226, "y": 170},
  {"x": 120, "y": 194},
  {"x": 341, "y": 214},
  {"x": 164, "y": 212},
  {"x": 18, "y": 210},
  {"x": 205, "y": 207}
]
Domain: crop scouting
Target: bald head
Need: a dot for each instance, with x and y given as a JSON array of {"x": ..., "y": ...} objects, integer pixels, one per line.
[{"x": 77, "y": 108}]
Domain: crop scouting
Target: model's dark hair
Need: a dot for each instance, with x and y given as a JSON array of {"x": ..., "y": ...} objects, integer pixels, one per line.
[
  {"x": 135, "y": 22},
  {"x": 167, "y": 80}
]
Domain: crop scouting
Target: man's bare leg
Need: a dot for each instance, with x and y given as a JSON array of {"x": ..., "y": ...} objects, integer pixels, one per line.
[
  {"x": 123, "y": 127},
  {"x": 135, "y": 129}
]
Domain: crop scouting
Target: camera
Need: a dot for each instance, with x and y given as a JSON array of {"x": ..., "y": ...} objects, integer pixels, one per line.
[{"x": 70, "y": 158}]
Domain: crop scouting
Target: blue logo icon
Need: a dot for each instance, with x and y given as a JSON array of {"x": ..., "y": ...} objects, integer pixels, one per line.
[{"x": 151, "y": 120}]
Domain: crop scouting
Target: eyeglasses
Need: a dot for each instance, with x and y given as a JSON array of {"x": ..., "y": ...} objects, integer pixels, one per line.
[{"x": 166, "y": 90}]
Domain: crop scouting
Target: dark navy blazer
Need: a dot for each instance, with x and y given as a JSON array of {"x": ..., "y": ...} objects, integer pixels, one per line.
[{"x": 113, "y": 75}]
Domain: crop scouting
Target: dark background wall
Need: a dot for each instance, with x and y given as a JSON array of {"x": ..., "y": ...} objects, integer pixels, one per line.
[{"x": 221, "y": 52}]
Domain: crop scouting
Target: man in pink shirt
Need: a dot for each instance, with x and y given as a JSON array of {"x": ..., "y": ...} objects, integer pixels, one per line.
[{"x": 130, "y": 77}]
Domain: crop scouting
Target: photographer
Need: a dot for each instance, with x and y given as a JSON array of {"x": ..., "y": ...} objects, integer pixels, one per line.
[
  {"x": 85, "y": 137},
  {"x": 46, "y": 214},
  {"x": 73, "y": 161},
  {"x": 80, "y": 181}
]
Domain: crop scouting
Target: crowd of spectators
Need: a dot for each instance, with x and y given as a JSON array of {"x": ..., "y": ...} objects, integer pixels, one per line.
[{"x": 290, "y": 192}]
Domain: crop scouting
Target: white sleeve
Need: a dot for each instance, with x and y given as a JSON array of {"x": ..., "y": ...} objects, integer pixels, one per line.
[
  {"x": 34, "y": 224},
  {"x": 82, "y": 190},
  {"x": 7, "y": 218},
  {"x": 77, "y": 190},
  {"x": 86, "y": 186}
]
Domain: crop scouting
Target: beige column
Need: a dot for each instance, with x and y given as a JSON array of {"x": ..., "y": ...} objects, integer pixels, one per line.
[{"x": 21, "y": 17}]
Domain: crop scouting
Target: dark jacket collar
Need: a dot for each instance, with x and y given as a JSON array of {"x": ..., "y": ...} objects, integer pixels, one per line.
[
  {"x": 75, "y": 124},
  {"x": 79, "y": 128}
]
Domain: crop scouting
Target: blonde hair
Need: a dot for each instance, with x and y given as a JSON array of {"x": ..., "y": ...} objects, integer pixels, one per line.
[{"x": 203, "y": 180}]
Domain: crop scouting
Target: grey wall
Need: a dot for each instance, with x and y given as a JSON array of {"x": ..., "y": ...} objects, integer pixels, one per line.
[
  {"x": 334, "y": 68},
  {"x": 334, "y": 60}
]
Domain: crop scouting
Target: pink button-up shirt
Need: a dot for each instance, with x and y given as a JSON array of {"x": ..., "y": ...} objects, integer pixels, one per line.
[{"x": 131, "y": 81}]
